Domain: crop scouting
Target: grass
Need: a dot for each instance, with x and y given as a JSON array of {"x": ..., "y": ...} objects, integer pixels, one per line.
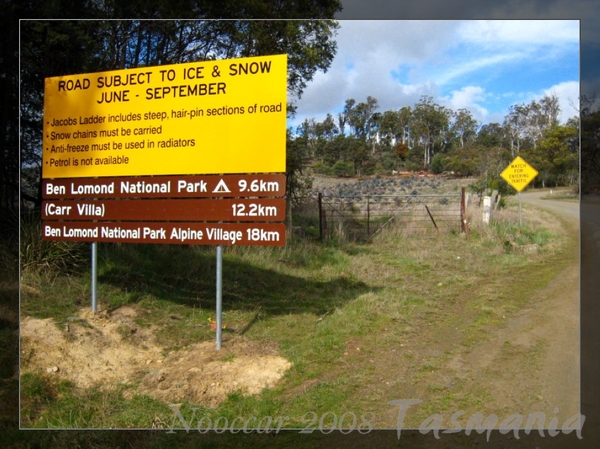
[
  {"x": 45, "y": 403},
  {"x": 357, "y": 321}
]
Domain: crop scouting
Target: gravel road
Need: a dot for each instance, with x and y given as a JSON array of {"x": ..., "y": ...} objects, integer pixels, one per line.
[
  {"x": 559, "y": 318},
  {"x": 568, "y": 210}
]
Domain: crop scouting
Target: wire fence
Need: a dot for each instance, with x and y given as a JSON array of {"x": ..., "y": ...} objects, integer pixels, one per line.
[{"x": 362, "y": 217}]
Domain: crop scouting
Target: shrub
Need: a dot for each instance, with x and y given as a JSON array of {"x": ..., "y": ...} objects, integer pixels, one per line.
[
  {"x": 322, "y": 169},
  {"x": 437, "y": 164},
  {"x": 53, "y": 257},
  {"x": 343, "y": 169}
]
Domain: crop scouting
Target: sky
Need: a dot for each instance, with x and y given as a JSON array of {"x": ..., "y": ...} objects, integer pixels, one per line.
[
  {"x": 484, "y": 66},
  {"x": 586, "y": 11}
]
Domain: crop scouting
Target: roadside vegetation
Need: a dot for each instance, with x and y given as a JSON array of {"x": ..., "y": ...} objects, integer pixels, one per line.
[
  {"x": 362, "y": 140},
  {"x": 361, "y": 324}
]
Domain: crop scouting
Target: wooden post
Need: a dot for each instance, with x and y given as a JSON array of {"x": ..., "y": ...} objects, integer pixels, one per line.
[
  {"x": 463, "y": 213},
  {"x": 368, "y": 217},
  {"x": 320, "y": 200},
  {"x": 494, "y": 199},
  {"x": 324, "y": 230},
  {"x": 432, "y": 220}
]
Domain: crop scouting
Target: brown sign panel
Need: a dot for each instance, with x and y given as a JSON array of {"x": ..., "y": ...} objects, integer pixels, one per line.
[
  {"x": 244, "y": 209},
  {"x": 201, "y": 186},
  {"x": 264, "y": 234}
]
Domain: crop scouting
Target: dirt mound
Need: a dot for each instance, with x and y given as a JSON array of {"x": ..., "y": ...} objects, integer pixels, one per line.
[
  {"x": 103, "y": 350},
  {"x": 203, "y": 376}
]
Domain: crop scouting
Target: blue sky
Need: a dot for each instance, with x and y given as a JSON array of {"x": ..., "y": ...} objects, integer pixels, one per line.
[{"x": 484, "y": 66}]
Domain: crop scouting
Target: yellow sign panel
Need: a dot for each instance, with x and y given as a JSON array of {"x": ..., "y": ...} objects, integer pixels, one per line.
[
  {"x": 519, "y": 174},
  {"x": 206, "y": 117}
]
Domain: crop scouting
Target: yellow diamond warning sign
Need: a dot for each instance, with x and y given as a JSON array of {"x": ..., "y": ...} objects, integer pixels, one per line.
[{"x": 519, "y": 174}]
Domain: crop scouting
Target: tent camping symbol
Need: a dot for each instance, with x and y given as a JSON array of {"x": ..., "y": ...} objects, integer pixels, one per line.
[{"x": 221, "y": 187}]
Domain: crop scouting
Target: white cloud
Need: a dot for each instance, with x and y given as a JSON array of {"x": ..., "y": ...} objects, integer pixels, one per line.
[
  {"x": 465, "y": 67},
  {"x": 468, "y": 98},
  {"x": 568, "y": 97},
  {"x": 373, "y": 50},
  {"x": 431, "y": 57},
  {"x": 493, "y": 33},
  {"x": 394, "y": 40}
]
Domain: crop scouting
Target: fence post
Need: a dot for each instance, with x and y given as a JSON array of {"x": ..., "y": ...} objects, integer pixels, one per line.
[
  {"x": 463, "y": 214},
  {"x": 368, "y": 217},
  {"x": 320, "y": 200},
  {"x": 487, "y": 209},
  {"x": 323, "y": 229},
  {"x": 432, "y": 220},
  {"x": 493, "y": 203},
  {"x": 463, "y": 218}
]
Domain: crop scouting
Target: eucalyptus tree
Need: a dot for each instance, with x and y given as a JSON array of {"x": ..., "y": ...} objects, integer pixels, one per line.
[
  {"x": 550, "y": 107},
  {"x": 298, "y": 184},
  {"x": 344, "y": 116},
  {"x": 542, "y": 116},
  {"x": 389, "y": 130},
  {"x": 306, "y": 133},
  {"x": 317, "y": 136},
  {"x": 525, "y": 124},
  {"x": 514, "y": 126},
  {"x": 463, "y": 126},
  {"x": 491, "y": 135},
  {"x": 327, "y": 129},
  {"x": 556, "y": 156},
  {"x": 403, "y": 125},
  {"x": 373, "y": 130},
  {"x": 360, "y": 117},
  {"x": 429, "y": 126},
  {"x": 341, "y": 121}
]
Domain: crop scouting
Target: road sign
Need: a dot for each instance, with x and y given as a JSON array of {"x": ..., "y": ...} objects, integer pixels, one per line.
[
  {"x": 123, "y": 145},
  {"x": 231, "y": 209},
  {"x": 264, "y": 234},
  {"x": 207, "y": 117},
  {"x": 260, "y": 185},
  {"x": 519, "y": 174}
]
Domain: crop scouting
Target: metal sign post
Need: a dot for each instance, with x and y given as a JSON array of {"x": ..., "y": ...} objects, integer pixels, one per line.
[
  {"x": 219, "y": 296},
  {"x": 520, "y": 215},
  {"x": 94, "y": 276}
]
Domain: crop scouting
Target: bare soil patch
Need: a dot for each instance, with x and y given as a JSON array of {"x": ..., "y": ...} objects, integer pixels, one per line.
[{"x": 106, "y": 349}]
